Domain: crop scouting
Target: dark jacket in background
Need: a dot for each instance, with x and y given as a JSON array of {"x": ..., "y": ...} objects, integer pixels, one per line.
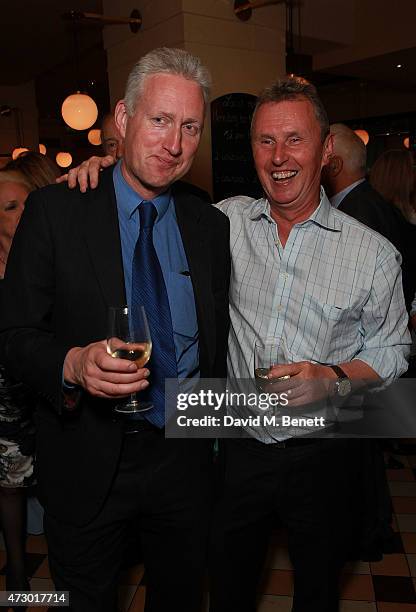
[{"x": 366, "y": 205}]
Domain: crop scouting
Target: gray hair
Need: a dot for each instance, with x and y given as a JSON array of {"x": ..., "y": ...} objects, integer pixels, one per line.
[
  {"x": 294, "y": 88},
  {"x": 169, "y": 61}
]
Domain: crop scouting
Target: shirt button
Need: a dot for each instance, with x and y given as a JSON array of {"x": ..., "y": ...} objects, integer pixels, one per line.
[{"x": 279, "y": 307}]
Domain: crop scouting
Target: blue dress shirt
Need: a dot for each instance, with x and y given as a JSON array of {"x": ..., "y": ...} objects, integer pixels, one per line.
[{"x": 168, "y": 243}]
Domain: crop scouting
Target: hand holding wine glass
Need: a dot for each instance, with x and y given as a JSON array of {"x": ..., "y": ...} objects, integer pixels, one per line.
[
  {"x": 128, "y": 337},
  {"x": 267, "y": 354}
]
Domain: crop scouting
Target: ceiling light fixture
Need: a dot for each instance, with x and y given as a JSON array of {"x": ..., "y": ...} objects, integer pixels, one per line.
[
  {"x": 63, "y": 159},
  {"x": 18, "y": 151},
  {"x": 7, "y": 111},
  {"x": 363, "y": 134},
  {"x": 94, "y": 137},
  {"x": 79, "y": 110},
  {"x": 243, "y": 9},
  {"x": 134, "y": 21}
]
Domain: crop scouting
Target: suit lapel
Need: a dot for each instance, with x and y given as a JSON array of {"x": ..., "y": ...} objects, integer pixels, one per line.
[
  {"x": 102, "y": 234},
  {"x": 194, "y": 237}
]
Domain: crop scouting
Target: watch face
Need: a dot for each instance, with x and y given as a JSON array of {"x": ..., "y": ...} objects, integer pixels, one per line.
[{"x": 344, "y": 387}]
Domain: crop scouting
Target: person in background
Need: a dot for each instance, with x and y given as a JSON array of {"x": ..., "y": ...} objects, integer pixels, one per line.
[
  {"x": 16, "y": 405},
  {"x": 14, "y": 191},
  {"x": 413, "y": 314},
  {"x": 344, "y": 180},
  {"x": 112, "y": 143},
  {"x": 392, "y": 176},
  {"x": 37, "y": 169},
  {"x": 17, "y": 179}
]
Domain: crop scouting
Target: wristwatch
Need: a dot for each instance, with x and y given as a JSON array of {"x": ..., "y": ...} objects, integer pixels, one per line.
[{"x": 343, "y": 383}]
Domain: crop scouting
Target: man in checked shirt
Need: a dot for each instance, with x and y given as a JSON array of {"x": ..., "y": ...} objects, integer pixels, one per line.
[{"x": 331, "y": 289}]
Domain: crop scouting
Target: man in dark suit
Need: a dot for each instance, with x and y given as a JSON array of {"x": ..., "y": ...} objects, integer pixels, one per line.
[
  {"x": 348, "y": 190},
  {"x": 74, "y": 255}
]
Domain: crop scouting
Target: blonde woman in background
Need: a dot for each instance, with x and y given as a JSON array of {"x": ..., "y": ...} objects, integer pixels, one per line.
[
  {"x": 17, "y": 179},
  {"x": 392, "y": 175}
]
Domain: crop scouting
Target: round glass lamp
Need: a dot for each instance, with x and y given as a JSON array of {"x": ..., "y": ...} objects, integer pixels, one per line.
[
  {"x": 94, "y": 137},
  {"x": 18, "y": 151},
  {"x": 406, "y": 142},
  {"x": 64, "y": 159},
  {"x": 363, "y": 134},
  {"x": 42, "y": 149},
  {"x": 79, "y": 111}
]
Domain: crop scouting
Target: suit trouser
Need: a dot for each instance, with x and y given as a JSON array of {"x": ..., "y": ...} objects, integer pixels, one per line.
[
  {"x": 165, "y": 486},
  {"x": 309, "y": 488}
]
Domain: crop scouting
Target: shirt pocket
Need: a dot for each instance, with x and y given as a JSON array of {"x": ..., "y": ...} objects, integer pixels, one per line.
[
  {"x": 182, "y": 304},
  {"x": 328, "y": 332}
]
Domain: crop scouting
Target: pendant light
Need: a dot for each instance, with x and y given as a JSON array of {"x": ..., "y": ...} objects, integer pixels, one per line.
[
  {"x": 94, "y": 137},
  {"x": 78, "y": 110},
  {"x": 363, "y": 134},
  {"x": 63, "y": 159}
]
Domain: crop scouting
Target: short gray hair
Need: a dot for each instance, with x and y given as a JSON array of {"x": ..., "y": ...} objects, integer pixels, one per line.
[
  {"x": 169, "y": 61},
  {"x": 294, "y": 88}
]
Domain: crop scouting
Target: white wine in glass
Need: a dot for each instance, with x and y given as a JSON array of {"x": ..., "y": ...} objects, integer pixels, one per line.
[
  {"x": 268, "y": 353},
  {"x": 128, "y": 337}
]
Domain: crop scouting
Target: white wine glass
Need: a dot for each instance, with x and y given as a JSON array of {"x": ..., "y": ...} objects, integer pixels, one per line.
[
  {"x": 268, "y": 353},
  {"x": 128, "y": 337}
]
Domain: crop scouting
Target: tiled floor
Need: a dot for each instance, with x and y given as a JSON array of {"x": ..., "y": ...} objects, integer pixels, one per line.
[{"x": 385, "y": 586}]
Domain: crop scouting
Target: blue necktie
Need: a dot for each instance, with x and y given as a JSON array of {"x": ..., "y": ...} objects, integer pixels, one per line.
[{"x": 149, "y": 290}]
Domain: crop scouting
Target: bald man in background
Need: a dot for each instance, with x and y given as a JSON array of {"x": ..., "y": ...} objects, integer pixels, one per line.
[
  {"x": 111, "y": 140},
  {"x": 344, "y": 179},
  {"x": 348, "y": 190}
]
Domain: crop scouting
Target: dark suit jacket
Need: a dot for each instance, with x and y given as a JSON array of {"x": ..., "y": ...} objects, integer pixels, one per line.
[
  {"x": 366, "y": 205},
  {"x": 64, "y": 270}
]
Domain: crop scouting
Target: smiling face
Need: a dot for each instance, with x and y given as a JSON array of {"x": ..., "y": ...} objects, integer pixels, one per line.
[
  {"x": 289, "y": 155},
  {"x": 162, "y": 136}
]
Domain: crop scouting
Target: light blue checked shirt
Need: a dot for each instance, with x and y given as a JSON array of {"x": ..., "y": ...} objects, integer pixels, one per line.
[{"x": 333, "y": 293}]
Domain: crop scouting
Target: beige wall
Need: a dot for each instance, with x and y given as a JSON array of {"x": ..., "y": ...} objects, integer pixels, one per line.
[
  {"x": 22, "y": 97},
  {"x": 242, "y": 56}
]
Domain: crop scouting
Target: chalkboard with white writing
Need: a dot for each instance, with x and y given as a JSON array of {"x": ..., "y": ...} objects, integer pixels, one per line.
[{"x": 232, "y": 161}]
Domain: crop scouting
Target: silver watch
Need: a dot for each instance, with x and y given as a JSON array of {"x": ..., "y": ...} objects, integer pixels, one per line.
[{"x": 343, "y": 383}]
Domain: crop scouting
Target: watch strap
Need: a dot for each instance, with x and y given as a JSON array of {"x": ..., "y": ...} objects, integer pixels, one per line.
[{"x": 339, "y": 371}]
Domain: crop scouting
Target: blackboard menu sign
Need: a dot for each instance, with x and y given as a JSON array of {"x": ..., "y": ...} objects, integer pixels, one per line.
[{"x": 232, "y": 161}]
